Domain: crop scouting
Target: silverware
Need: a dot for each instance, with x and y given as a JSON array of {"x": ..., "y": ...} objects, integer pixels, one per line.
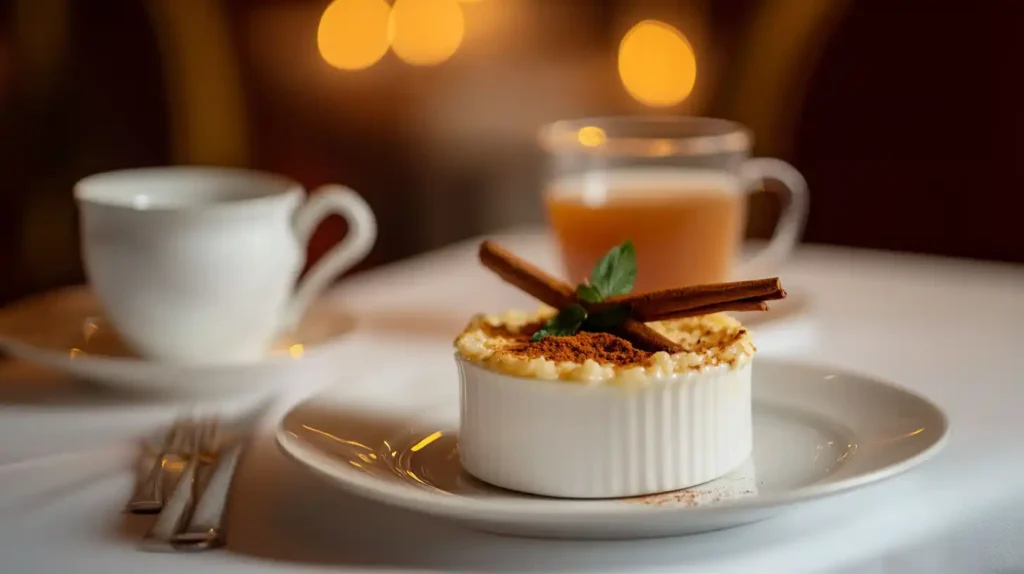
[
  {"x": 177, "y": 511},
  {"x": 148, "y": 497},
  {"x": 206, "y": 527}
]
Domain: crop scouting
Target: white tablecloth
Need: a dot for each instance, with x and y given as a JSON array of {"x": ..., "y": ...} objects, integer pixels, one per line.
[{"x": 949, "y": 329}]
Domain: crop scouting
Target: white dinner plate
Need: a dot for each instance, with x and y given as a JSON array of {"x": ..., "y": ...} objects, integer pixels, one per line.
[
  {"x": 65, "y": 330},
  {"x": 817, "y": 432}
]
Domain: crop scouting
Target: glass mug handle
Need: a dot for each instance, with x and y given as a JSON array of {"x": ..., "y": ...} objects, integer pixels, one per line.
[
  {"x": 353, "y": 248},
  {"x": 791, "y": 221}
]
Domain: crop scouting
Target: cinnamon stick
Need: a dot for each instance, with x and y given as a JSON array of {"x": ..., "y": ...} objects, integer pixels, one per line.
[
  {"x": 543, "y": 286},
  {"x": 559, "y": 294},
  {"x": 740, "y": 306},
  {"x": 646, "y": 338},
  {"x": 689, "y": 301}
]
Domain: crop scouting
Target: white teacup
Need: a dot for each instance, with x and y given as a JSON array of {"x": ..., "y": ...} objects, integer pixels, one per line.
[{"x": 199, "y": 264}]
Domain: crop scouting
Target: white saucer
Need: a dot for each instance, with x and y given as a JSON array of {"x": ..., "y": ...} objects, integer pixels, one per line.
[
  {"x": 65, "y": 330},
  {"x": 818, "y": 432}
]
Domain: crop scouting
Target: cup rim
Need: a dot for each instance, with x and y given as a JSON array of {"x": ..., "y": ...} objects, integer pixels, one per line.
[
  {"x": 276, "y": 188},
  {"x": 722, "y": 136}
]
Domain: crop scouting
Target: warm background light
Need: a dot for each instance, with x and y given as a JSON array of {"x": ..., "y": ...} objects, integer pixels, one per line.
[
  {"x": 426, "y": 32},
  {"x": 353, "y": 34},
  {"x": 657, "y": 64}
]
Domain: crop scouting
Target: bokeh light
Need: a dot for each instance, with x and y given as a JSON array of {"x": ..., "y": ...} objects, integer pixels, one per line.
[
  {"x": 426, "y": 32},
  {"x": 657, "y": 64},
  {"x": 591, "y": 136},
  {"x": 353, "y": 34}
]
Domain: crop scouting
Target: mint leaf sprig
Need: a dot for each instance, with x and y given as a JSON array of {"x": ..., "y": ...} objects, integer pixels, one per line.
[
  {"x": 613, "y": 275},
  {"x": 567, "y": 322}
]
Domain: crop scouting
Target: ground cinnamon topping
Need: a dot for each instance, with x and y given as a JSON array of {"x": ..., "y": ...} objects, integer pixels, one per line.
[{"x": 603, "y": 348}]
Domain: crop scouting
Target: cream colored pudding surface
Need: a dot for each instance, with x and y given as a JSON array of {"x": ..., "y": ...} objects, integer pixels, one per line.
[{"x": 502, "y": 343}]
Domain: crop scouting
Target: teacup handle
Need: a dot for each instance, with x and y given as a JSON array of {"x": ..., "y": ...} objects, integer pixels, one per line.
[
  {"x": 353, "y": 248},
  {"x": 791, "y": 220}
]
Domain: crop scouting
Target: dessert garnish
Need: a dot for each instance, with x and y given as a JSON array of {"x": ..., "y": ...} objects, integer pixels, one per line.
[{"x": 604, "y": 303}]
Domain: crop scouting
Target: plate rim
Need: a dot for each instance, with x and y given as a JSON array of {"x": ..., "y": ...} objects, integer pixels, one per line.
[{"x": 367, "y": 486}]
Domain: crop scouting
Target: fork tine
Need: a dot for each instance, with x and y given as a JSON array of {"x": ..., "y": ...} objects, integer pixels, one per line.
[
  {"x": 179, "y": 434},
  {"x": 212, "y": 435}
]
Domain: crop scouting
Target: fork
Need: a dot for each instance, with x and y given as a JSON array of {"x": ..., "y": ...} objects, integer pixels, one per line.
[
  {"x": 205, "y": 529},
  {"x": 178, "y": 510},
  {"x": 148, "y": 497}
]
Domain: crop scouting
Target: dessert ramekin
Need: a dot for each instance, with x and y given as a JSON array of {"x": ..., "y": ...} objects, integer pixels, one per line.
[{"x": 604, "y": 440}]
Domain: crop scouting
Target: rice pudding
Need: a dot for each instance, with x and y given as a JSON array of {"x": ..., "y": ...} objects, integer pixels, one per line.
[
  {"x": 605, "y": 393},
  {"x": 502, "y": 343}
]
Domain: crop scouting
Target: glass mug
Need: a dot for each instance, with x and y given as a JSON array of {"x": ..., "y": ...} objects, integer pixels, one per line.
[{"x": 676, "y": 186}]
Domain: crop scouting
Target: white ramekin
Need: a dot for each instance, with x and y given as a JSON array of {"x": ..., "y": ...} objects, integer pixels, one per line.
[{"x": 577, "y": 440}]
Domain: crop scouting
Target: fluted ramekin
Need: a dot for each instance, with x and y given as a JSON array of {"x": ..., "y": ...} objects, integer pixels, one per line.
[{"x": 603, "y": 440}]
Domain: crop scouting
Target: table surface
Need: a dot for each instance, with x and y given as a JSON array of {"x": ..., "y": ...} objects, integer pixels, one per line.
[{"x": 949, "y": 329}]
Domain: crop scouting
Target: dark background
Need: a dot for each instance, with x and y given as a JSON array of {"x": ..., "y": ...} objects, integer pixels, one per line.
[{"x": 904, "y": 115}]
